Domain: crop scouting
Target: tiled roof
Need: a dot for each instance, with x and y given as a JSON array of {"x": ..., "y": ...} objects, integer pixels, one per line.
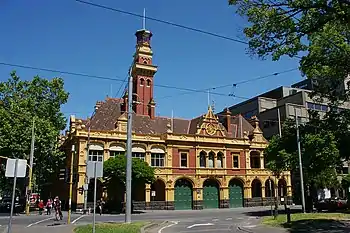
[{"x": 108, "y": 112}]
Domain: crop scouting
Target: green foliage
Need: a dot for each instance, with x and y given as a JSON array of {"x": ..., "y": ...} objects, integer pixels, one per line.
[
  {"x": 319, "y": 30},
  {"x": 320, "y": 156},
  {"x": 345, "y": 182},
  {"x": 21, "y": 102},
  {"x": 114, "y": 171}
]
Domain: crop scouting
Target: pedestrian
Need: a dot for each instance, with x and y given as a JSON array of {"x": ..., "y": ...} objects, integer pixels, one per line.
[
  {"x": 41, "y": 207},
  {"x": 48, "y": 207},
  {"x": 100, "y": 205}
]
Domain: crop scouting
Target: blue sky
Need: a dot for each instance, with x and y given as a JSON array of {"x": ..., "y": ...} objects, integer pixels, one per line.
[{"x": 70, "y": 36}]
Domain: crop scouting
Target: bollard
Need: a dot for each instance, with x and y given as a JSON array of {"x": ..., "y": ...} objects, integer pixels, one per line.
[{"x": 288, "y": 215}]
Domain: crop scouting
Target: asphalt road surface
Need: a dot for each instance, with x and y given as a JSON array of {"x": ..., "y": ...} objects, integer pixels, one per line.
[{"x": 209, "y": 220}]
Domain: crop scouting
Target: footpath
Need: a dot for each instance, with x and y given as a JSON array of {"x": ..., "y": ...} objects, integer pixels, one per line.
[{"x": 42, "y": 229}]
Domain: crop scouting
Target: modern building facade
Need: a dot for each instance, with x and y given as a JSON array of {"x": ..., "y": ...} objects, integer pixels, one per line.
[
  {"x": 206, "y": 162},
  {"x": 275, "y": 106},
  {"x": 282, "y": 102}
]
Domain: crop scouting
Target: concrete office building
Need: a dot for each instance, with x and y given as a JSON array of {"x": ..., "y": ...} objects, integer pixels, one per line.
[{"x": 283, "y": 102}]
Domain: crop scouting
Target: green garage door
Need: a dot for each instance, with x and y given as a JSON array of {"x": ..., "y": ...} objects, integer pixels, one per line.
[
  {"x": 236, "y": 194},
  {"x": 183, "y": 195},
  {"x": 210, "y": 194}
]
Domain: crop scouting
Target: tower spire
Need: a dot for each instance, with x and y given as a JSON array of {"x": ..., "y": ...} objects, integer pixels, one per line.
[{"x": 144, "y": 19}]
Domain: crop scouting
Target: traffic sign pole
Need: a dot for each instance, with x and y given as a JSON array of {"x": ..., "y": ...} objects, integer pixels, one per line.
[{"x": 9, "y": 228}]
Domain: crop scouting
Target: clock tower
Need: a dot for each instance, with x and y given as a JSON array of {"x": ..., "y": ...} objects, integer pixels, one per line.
[{"x": 143, "y": 72}]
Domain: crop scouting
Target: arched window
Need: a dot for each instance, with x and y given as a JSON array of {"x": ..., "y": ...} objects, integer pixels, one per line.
[
  {"x": 219, "y": 160},
  {"x": 95, "y": 152},
  {"x": 255, "y": 159},
  {"x": 142, "y": 82},
  {"x": 116, "y": 150},
  {"x": 211, "y": 159},
  {"x": 148, "y": 82},
  {"x": 157, "y": 157},
  {"x": 138, "y": 152},
  {"x": 202, "y": 159}
]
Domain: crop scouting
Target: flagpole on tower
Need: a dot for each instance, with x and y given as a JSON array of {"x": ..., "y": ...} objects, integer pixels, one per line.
[{"x": 144, "y": 19}]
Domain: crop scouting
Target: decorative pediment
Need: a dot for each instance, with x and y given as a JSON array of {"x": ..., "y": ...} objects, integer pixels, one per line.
[
  {"x": 121, "y": 123},
  {"x": 257, "y": 132},
  {"x": 209, "y": 125}
]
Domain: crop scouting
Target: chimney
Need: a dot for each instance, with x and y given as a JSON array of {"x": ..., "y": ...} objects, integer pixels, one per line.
[
  {"x": 98, "y": 104},
  {"x": 124, "y": 105},
  {"x": 228, "y": 121},
  {"x": 151, "y": 109}
]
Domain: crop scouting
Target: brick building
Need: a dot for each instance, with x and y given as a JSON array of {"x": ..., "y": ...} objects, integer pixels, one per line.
[{"x": 212, "y": 161}]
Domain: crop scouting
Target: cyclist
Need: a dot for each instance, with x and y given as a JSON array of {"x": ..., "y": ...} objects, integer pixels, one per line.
[{"x": 57, "y": 205}]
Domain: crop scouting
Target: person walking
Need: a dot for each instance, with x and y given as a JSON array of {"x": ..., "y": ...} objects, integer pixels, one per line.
[
  {"x": 48, "y": 206},
  {"x": 41, "y": 207}
]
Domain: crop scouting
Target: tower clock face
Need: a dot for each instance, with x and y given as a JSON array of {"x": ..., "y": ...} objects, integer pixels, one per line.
[{"x": 211, "y": 129}]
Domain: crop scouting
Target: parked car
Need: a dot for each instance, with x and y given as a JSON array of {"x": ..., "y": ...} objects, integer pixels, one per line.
[
  {"x": 5, "y": 204},
  {"x": 331, "y": 204}
]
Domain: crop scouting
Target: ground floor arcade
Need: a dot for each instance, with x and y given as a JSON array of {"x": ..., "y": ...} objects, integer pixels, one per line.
[{"x": 186, "y": 192}]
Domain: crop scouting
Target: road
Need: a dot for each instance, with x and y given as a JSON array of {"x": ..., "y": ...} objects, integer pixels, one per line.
[{"x": 213, "y": 220}]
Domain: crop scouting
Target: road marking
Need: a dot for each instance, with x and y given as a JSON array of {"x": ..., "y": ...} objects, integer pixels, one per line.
[
  {"x": 215, "y": 220},
  {"x": 200, "y": 224},
  {"x": 173, "y": 223},
  {"x": 227, "y": 219},
  {"x": 77, "y": 219},
  {"x": 240, "y": 218},
  {"x": 249, "y": 226},
  {"x": 35, "y": 223}
]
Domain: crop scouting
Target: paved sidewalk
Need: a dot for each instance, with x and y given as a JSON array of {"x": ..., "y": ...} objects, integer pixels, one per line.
[{"x": 43, "y": 229}]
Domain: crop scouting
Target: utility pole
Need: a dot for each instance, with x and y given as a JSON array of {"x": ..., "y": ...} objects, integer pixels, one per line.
[
  {"x": 71, "y": 184},
  {"x": 129, "y": 152},
  {"x": 279, "y": 122},
  {"x": 31, "y": 161},
  {"x": 300, "y": 163},
  {"x": 86, "y": 178}
]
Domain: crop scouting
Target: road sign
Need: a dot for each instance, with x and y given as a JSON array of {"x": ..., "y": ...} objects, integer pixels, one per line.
[
  {"x": 153, "y": 193},
  {"x": 21, "y": 168},
  {"x": 90, "y": 169}
]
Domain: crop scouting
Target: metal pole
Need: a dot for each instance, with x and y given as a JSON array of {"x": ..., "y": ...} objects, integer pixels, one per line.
[
  {"x": 71, "y": 184},
  {"x": 87, "y": 181},
  {"x": 9, "y": 228},
  {"x": 94, "y": 216},
  {"x": 279, "y": 122},
  {"x": 271, "y": 194},
  {"x": 300, "y": 164},
  {"x": 31, "y": 160},
  {"x": 129, "y": 152}
]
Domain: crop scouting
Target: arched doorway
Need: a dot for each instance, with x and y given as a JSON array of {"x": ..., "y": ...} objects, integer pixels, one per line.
[
  {"x": 99, "y": 190},
  {"x": 282, "y": 188},
  {"x": 211, "y": 194},
  {"x": 256, "y": 188},
  {"x": 269, "y": 188},
  {"x": 236, "y": 193},
  {"x": 183, "y": 194},
  {"x": 138, "y": 192},
  {"x": 158, "y": 191},
  {"x": 115, "y": 196}
]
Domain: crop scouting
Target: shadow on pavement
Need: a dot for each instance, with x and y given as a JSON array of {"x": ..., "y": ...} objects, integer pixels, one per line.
[
  {"x": 318, "y": 226},
  {"x": 262, "y": 213}
]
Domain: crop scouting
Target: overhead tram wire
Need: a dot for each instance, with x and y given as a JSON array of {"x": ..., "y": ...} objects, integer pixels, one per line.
[
  {"x": 164, "y": 22},
  {"x": 234, "y": 84},
  {"x": 105, "y": 78}
]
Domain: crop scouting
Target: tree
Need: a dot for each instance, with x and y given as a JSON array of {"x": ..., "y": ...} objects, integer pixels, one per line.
[
  {"x": 21, "y": 102},
  {"x": 320, "y": 156},
  {"x": 318, "y": 30},
  {"x": 114, "y": 172}
]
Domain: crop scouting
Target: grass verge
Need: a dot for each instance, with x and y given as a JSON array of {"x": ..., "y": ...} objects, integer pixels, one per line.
[
  {"x": 281, "y": 220},
  {"x": 112, "y": 227}
]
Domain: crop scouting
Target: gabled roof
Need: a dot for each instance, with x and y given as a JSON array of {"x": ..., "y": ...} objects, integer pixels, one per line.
[{"x": 108, "y": 112}]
